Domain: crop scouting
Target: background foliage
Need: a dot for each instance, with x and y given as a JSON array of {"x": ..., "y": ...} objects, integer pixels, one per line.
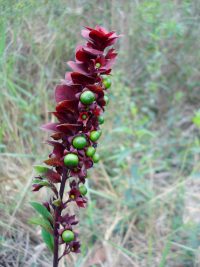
[{"x": 144, "y": 202}]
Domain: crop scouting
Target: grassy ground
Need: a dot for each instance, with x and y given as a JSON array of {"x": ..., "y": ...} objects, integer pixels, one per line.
[{"x": 144, "y": 202}]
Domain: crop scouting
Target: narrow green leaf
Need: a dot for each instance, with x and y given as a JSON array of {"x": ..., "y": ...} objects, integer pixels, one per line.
[
  {"x": 42, "y": 210},
  {"x": 2, "y": 39},
  {"x": 44, "y": 183},
  {"x": 42, "y": 222},
  {"x": 41, "y": 182},
  {"x": 48, "y": 239},
  {"x": 36, "y": 181},
  {"x": 165, "y": 253},
  {"x": 196, "y": 118},
  {"x": 41, "y": 169}
]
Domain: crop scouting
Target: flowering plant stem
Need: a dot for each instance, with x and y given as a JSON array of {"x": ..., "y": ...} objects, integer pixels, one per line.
[{"x": 81, "y": 99}]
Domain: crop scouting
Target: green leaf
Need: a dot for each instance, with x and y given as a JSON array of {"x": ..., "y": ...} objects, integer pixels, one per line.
[
  {"x": 42, "y": 222},
  {"x": 48, "y": 239},
  {"x": 36, "y": 181},
  {"x": 196, "y": 118},
  {"x": 41, "y": 182},
  {"x": 44, "y": 183},
  {"x": 40, "y": 169},
  {"x": 42, "y": 210},
  {"x": 2, "y": 38}
]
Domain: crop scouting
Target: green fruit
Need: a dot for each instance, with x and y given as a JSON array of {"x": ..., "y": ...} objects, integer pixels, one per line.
[
  {"x": 57, "y": 202},
  {"x": 83, "y": 189},
  {"x": 84, "y": 117},
  {"x": 106, "y": 99},
  {"x": 71, "y": 160},
  {"x": 101, "y": 119},
  {"x": 87, "y": 97},
  {"x": 68, "y": 236},
  {"x": 90, "y": 151},
  {"x": 96, "y": 158},
  {"x": 97, "y": 65},
  {"x": 79, "y": 142},
  {"x": 107, "y": 82},
  {"x": 94, "y": 135}
]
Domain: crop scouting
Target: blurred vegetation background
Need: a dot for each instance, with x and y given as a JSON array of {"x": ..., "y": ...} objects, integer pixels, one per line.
[{"x": 144, "y": 194}]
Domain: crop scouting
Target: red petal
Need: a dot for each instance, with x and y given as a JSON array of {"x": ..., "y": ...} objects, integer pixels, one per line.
[
  {"x": 53, "y": 176},
  {"x": 51, "y": 126},
  {"x": 97, "y": 35},
  {"x": 79, "y": 78},
  {"x": 36, "y": 187},
  {"x": 111, "y": 41},
  {"x": 65, "y": 116},
  {"x": 66, "y": 92},
  {"x": 85, "y": 34},
  {"x": 83, "y": 56},
  {"x": 88, "y": 164},
  {"x": 96, "y": 89},
  {"x": 58, "y": 148},
  {"x": 57, "y": 136},
  {"x": 111, "y": 54},
  {"x": 54, "y": 162},
  {"x": 67, "y": 105},
  {"x": 79, "y": 67},
  {"x": 92, "y": 51},
  {"x": 69, "y": 128}
]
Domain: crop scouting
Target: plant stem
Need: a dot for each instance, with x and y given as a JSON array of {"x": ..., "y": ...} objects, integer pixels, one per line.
[
  {"x": 56, "y": 240},
  {"x": 57, "y": 214}
]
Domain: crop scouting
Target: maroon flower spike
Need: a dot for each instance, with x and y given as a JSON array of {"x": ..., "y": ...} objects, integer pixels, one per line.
[{"x": 80, "y": 103}]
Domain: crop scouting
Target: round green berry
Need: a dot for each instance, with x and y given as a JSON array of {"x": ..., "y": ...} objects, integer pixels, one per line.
[
  {"x": 71, "y": 160},
  {"x": 68, "y": 236},
  {"x": 84, "y": 117},
  {"x": 94, "y": 135},
  {"x": 87, "y": 97},
  {"x": 107, "y": 82},
  {"x": 96, "y": 158},
  {"x": 101, "y": 119},
  {"x": 83, "y": 189},
  {"x": 90, "y": 151},
  {"x": 79, "y": 142},
  {"x": 97, "y": 65},
  {"x": 106, "y": 99}
]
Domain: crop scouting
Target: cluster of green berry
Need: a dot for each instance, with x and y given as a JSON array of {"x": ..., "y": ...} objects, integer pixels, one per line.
[
  {"x": 71, "y": 160},
  {"x": 87, "y": 98}
]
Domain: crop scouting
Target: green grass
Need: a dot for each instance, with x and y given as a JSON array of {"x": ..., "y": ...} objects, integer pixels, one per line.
[{"x": 144, "y": 203}]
